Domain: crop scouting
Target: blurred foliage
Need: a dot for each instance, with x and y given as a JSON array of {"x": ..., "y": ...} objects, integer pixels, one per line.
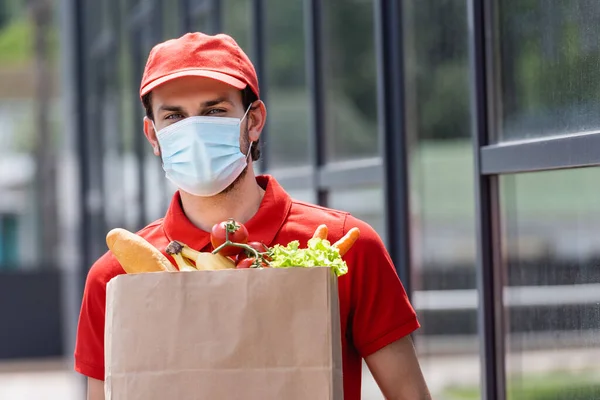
[
  {"x": 285, "y": 44},
  {"x": 549, "y": 76},
  {"x": 549, "y": 66},
  {"x": 437, "y": 48},
  {"x": 17, "y": 42},
  {"x": 552, "y": 386}
]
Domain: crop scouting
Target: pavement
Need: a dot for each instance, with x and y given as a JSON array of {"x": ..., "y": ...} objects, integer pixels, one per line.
[{"x": 55, "y": 379}]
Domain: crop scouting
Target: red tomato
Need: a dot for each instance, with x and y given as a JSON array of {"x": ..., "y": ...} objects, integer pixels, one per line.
[
  {"x": 249, "y": 263},
  {"x": 237, "y": 234},
  {"x": 245, "y": 263},
  {"x": 258, "y": 246}
]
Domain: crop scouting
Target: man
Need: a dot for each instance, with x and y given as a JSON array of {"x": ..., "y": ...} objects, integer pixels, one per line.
[{"x": 204, "y": 119}]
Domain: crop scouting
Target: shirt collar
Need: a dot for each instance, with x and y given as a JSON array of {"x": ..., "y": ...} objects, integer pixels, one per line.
[{"x": 262, "y": 227}]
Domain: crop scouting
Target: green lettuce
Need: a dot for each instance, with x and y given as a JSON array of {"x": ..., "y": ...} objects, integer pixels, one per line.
[{"x": 319, "y": 253}]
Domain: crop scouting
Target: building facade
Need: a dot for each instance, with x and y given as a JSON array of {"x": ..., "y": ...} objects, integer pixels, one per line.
[{"x": 465, "y": 132}]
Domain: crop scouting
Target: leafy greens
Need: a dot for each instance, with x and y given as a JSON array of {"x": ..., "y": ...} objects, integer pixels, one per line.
[{"x": 319, "y": 253}]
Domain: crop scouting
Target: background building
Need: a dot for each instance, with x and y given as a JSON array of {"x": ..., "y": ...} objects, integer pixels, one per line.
[{"x": 464, "y": 131}]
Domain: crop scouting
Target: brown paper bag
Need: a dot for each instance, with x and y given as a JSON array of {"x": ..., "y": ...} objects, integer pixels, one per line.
[{"x": 235, "y": 334}]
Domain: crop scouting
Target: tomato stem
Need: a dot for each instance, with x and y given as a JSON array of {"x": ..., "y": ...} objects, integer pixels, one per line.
[{"x": 257, "y": 255}]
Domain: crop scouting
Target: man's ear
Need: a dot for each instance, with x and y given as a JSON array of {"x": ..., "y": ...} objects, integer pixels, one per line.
[
  {"x": 257, "y": 118},
  {"x": 151, "y": 135}
]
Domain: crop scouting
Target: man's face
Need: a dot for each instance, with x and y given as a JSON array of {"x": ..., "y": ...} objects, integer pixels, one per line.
[{"x": 196, "y": 96}]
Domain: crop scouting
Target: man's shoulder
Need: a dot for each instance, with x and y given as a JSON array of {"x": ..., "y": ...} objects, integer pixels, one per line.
[
  {"x": 311, "y": 214},
  {"x": 107, "y": 266},
  {"x": 338, "y": 222}
]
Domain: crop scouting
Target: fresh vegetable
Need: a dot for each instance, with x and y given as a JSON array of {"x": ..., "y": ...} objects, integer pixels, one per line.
[
  {"x": 251, "y": 262},
  {"x": 319, "y": 253},
  {"x": 321, "y": 232},
  {"x": 258, "y": 246},
  {"x": 344, "y": 244},
  {"x": 245, "y": 263},
  {"x": 225, "y": 235},
  {"x": 233, "y": 251}
]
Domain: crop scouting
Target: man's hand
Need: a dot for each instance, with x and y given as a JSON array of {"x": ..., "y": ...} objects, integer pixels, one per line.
[
  {"x": 95, "y": 389},
  {"x": 396, "y": 370}
]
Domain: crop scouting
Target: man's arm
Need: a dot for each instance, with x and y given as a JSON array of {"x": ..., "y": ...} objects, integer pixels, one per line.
[
  {"x": 396, "y": 370},
  {"x": 95, "y": 389}
]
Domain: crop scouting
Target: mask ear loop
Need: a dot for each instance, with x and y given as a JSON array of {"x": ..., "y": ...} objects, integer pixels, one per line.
[
  {"x": 249, "y": 151},
  {"x": 245, "y": 114},
  {"x": 241, "y": 120}
]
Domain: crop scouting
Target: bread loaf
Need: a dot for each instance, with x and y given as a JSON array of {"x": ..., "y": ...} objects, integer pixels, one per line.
[{"x": 136, "y": 254}]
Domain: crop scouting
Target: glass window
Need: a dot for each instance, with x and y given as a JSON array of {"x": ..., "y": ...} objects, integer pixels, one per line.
[
  {"x": 365, "y": 203},
  {"x": 131, "y": 113},
  {"x": 172, "y": 19},
  {"x": 202, "y": 23},
  {"x": 306, "y": 195},
  {"x": 236, "y": 16},
  {"x": 442, "y": 195},
  {"x": 112, "y": 141},
  {"x": 551, "y": 248},
  {"x": 350, "y": 80},
  {"x": 548, "y": 67},
  {"x": 288, "y": 106}
]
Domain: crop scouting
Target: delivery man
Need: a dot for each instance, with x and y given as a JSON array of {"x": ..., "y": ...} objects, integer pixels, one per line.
[{"x": 204, "y": 118}]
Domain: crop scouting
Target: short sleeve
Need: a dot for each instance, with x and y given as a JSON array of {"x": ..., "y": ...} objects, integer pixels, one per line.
[
  {"x": 381, "y": 311},
  {"x": 89, "y": 343}
]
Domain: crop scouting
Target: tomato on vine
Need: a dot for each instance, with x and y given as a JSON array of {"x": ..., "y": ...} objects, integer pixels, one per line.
[
  {"x": 231, "y": 231},
  {"x": 258, "y": 246},
  {"x": 250, "y": 262}
]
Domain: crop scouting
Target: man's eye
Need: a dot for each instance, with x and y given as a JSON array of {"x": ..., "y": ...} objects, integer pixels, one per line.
[
  {"x": 174, "y": 116},
  {"x": 215, "y": 111}
]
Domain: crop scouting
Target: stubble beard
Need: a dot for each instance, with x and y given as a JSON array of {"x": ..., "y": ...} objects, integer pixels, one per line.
[{"x": 242, "y": 175}]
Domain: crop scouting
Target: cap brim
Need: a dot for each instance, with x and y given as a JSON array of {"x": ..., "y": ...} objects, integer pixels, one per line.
[{"x": 228, "y": 79}]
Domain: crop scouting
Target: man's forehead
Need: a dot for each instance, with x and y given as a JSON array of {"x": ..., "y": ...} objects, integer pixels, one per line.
[{"x": 198, "y": 97}]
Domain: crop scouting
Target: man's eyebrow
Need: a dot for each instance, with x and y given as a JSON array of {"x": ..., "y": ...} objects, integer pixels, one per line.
[
  {"x": 214, "y": 102},
  {"x": 166, "y": 107},
  {"x": 206, "y": 104}
]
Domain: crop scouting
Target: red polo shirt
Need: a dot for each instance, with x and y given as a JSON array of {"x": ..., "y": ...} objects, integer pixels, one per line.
[{"x": 374, "y": 308}]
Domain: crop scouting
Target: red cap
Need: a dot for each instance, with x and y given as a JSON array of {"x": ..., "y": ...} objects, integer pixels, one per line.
[{"x": 196, "y": 54}]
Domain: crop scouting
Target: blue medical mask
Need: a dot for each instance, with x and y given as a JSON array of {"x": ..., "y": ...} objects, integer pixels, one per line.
[{"x": 201, "y": 155}]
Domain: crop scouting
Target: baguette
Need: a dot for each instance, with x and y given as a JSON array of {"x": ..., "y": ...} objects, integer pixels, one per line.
[{"x": 136, "y": 254}]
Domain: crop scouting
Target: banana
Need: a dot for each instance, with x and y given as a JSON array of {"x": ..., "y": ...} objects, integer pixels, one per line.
[
  {"x": 175, "y": 250},
  {"x": 203, "y": 261},
  {"x": 183, "y": 263},
  {"x": 209, "y": 261}
]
